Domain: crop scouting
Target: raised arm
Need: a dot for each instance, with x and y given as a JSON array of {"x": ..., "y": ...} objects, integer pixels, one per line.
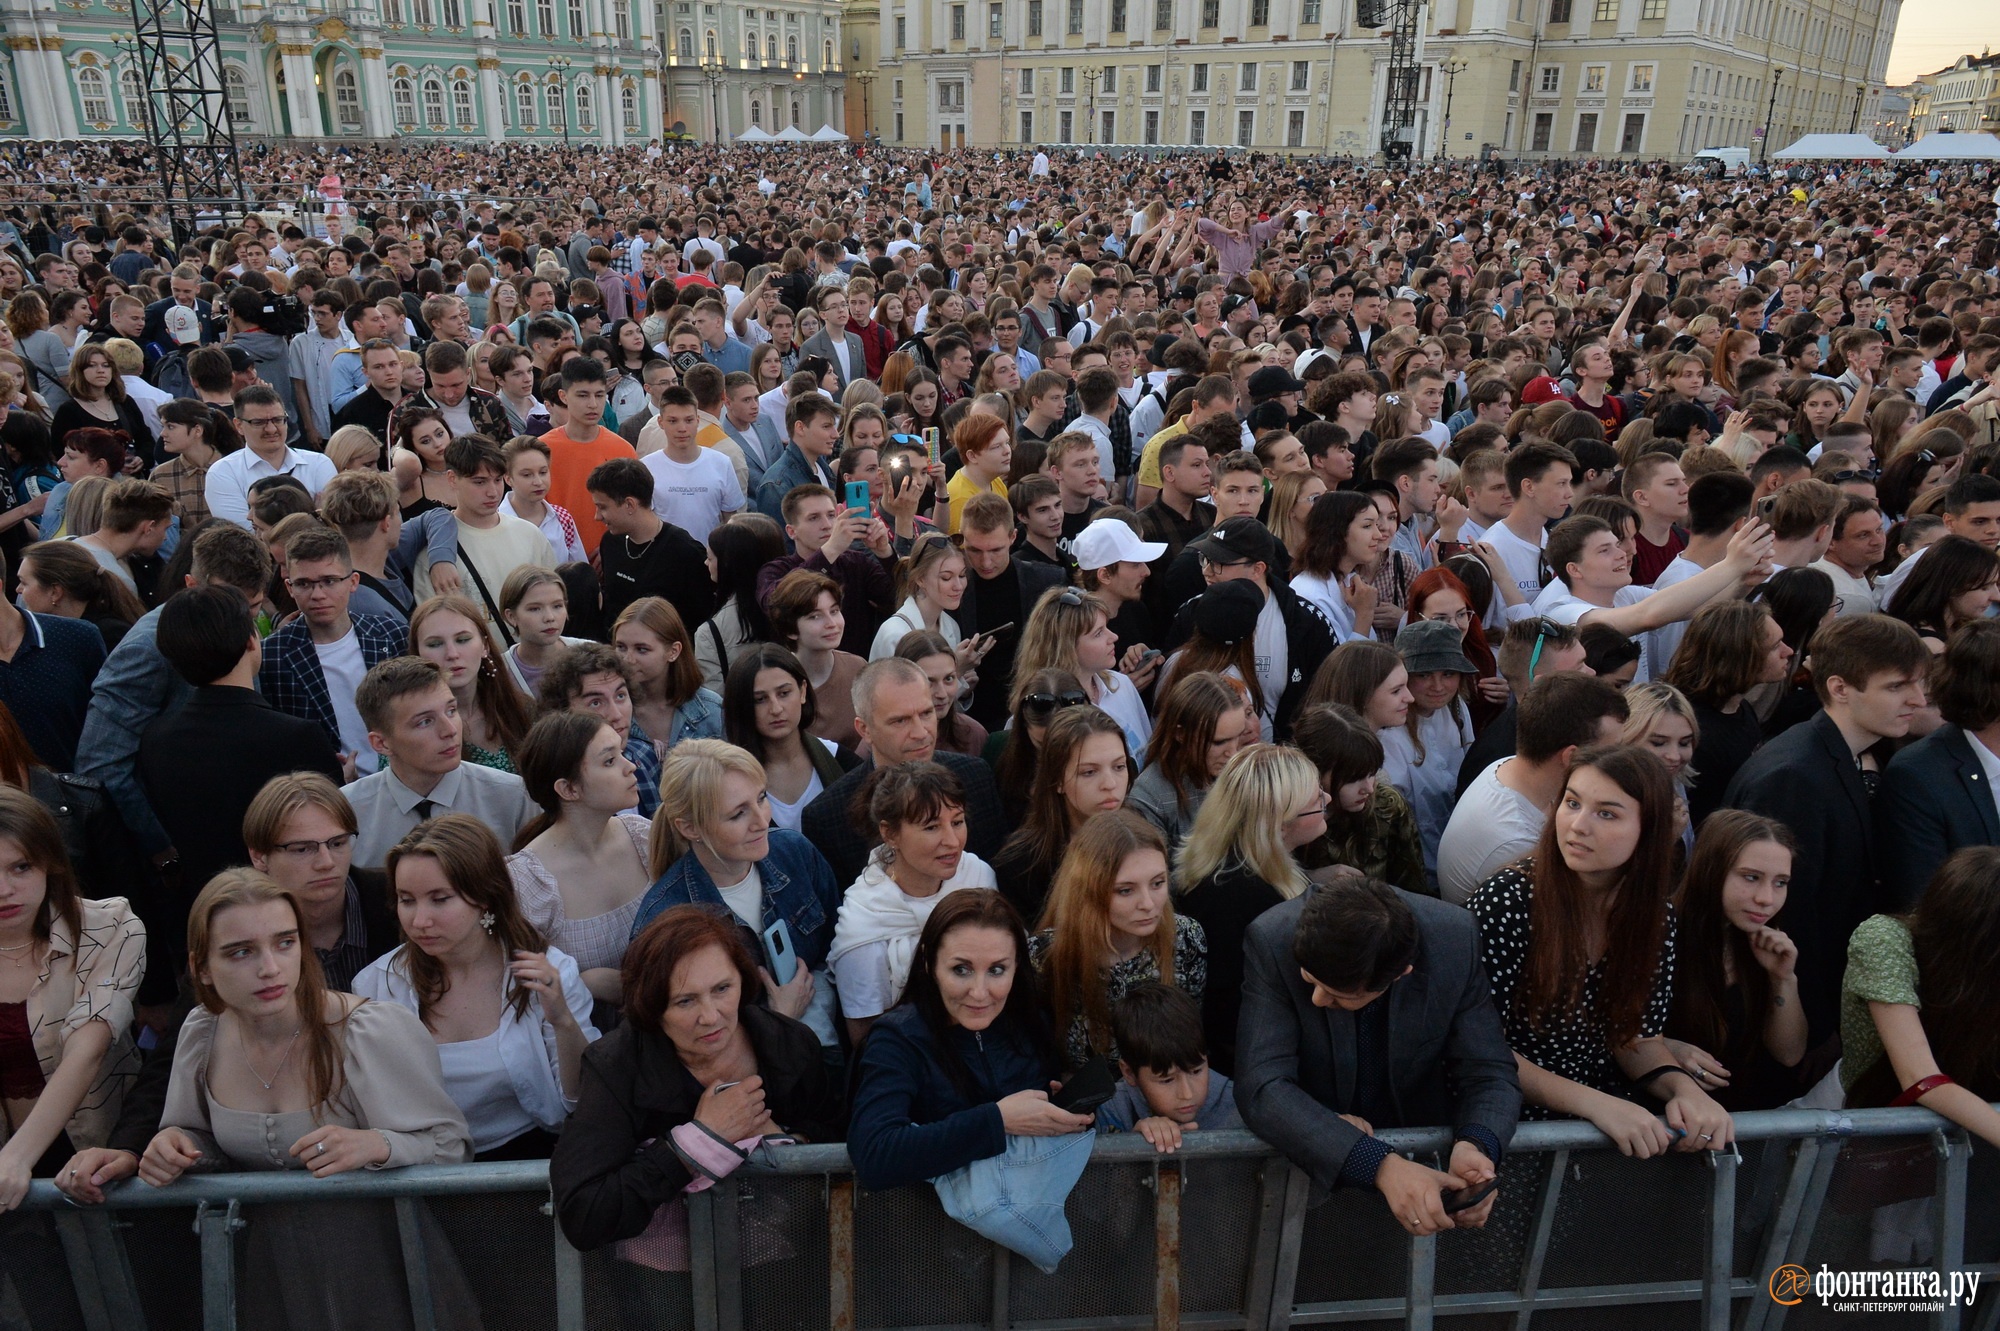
[{"x": 1749, "y": 548}]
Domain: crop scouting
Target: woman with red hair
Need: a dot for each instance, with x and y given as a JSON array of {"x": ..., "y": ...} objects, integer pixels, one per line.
[{"x": 1438, "y": 593}]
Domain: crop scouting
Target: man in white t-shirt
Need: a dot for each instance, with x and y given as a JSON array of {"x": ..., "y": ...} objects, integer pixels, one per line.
[
  {"x": 694, "y": 488},
  {"x": 1499, "y": 818},
  {"x": 1857, "y": 546},
  {"x": 314, "y": 664},
  {"x": 1541, "y": 477},
  {"x": 1591, "y": 581},
  {"x": 491, "y": 543}
]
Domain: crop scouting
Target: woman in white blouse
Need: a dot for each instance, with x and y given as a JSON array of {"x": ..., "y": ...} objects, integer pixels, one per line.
[
  {"x": 501, "y": 1004},
  {"x": 932, "y": 580},
  {"x": 1345, "y": 536},
  {"x": 581, "y": 866}
]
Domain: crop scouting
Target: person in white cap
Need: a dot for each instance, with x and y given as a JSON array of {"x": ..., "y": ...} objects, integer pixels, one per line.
[{"x": 1114, "y": 563}]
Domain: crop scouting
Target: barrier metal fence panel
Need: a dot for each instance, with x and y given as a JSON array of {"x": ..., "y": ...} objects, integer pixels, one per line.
[{"x": 1217, "y": 1236}]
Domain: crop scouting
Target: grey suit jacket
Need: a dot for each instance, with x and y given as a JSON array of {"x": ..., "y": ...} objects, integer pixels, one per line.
[
  {"x": 1295, "y": 1063},
  {"x": 819, "y": 344}
]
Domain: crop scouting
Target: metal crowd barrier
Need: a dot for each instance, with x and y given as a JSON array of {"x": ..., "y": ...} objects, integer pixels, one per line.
[{"x": 1215, "y": 1236}]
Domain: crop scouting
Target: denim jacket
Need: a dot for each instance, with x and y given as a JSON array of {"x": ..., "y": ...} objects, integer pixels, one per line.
[{"x": 798, "y": 887}]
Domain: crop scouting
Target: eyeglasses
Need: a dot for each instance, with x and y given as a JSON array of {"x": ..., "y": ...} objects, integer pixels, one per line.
[
  {"x": 308, "y": 586},
  {"x": 1049, "y": 702},
  {"x": 310, "y": 849},
  {"x": 1842, "y": 477},
  {"x": 263, "y": 422}
]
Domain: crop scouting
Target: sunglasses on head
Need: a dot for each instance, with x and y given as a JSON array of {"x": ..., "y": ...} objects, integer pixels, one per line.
[
  {"x": 1545, "y": 631},
  {"x": 1049, "y": 702}
]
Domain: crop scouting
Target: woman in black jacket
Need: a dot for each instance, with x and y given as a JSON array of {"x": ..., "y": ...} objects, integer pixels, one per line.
[{"x": 698, "y": 1068}]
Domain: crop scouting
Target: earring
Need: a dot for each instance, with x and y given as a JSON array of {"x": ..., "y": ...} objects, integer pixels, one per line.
[{"x": 486, "y": 922}]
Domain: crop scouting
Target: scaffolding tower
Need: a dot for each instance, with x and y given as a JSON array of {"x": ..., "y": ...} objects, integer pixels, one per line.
[
  {"x": 188, "y": 129},
  {"x": 1404, "y": 20}
]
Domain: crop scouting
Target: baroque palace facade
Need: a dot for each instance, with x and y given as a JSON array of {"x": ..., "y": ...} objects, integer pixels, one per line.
[
  {"x": 605, "y": 71},
  {"x": 1519, "y": 78}
]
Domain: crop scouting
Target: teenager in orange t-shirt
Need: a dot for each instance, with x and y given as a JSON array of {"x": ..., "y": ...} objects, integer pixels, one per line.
[{"x": 581, "y": 444}]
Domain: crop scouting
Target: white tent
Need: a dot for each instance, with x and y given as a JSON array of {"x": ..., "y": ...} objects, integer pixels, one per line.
[
  {"x": 1834, "y": 148},
  {"x": 791, "y": 134},
  {"x": 755, "y": 134},
  {"x": 1978, "y": 146},
  {"x": 828, "y": 134}
]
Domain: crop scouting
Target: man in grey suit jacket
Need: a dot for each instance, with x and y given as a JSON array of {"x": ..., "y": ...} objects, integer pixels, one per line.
[
  {"x": 833, "y": 341},
  {"x": 1367, "y": 1007},
  {"x": 760, "y": 437}
]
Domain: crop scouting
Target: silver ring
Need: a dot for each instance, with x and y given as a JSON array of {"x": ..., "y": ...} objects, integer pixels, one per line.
[
  {"x": 322, "y": 1148},
  {"x": 72, "y": 1173},
  {"x": 1708, "y": 1136},
  {"x": 1700, "y": 1074}
]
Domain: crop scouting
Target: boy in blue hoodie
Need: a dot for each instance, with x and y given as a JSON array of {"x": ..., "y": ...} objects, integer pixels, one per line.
[{"x": 1168, "y": 1087}]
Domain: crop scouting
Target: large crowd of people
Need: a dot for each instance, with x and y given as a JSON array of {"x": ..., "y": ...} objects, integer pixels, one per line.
[{"x": 643, "y": 658}]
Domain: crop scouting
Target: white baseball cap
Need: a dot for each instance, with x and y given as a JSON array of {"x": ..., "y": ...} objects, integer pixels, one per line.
[
  {"x": 183, "y": 324},
  {"x": 1109, "y": 541}
]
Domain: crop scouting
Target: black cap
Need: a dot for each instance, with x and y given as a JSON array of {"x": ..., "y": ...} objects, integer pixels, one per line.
[
  {"x": 1161, "y": 346},
  {"x": 1226, "y": 613},
  {"x": 1266, "y": 416},
  {"x": 1231, "y": 304},
  {"x": 239, "y": 360},
  {"x": 1272, "y": 380},
  {"x": 1236, "y": 541}
]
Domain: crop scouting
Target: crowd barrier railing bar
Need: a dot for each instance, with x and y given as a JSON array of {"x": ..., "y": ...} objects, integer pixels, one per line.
[{"x": 1803, "y": 1147}]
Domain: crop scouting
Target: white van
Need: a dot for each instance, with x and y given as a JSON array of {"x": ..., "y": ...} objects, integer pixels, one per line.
[{"x": 1730, "y": 160}]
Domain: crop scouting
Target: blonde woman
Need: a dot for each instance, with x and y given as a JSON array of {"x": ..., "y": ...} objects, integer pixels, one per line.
[
  {"x": 1238, "y": 862},
  {"x": 1070, "y": 629},
  {"x": 355, "y": 448},
  {"x": 932, "y": 581},
  {"x": 1662, "y": 720}
]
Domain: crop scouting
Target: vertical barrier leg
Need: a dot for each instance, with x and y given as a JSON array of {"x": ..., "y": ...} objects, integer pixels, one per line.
[
  {"x": 1291, "y": 1233},
  {"x": 99, "y": 1272},
  {"x": 1784, "y": 1221},
  {"x": 1167, "y": 1247},
  {"x": 218, "y": 1264},
  {"x": 701, "y": 1258},
  {"x": 1717, "y": 1277},
  {"x": 1002, "y": 1273},
  {"x": 1954, "y": 1160},
  {"x": 1538, "y": 1242},
  {"x": 728, "y": 1260},
  {"x": 1266, "y": 1239},
  {"x": 1420, "y": 1310},
  {"x": 416, "y": 1264},
  {"x": 840, "y": 1252},
  {"x": 569, "y": 1277}
]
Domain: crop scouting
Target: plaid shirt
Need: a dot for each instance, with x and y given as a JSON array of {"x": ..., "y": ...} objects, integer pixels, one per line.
[
  {"x": 489, "y": 414},
  {"x": 292, "y": 680},
  {"x": 185, "y": 480},
  {"x": 639, "y": 751}
]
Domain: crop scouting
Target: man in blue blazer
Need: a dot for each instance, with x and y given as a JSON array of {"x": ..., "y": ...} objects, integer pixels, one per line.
[
  {"x": 843, "y": 349},
  {"x": 1366, "y": 1007},
  {"x": 1942, "y": 793}
]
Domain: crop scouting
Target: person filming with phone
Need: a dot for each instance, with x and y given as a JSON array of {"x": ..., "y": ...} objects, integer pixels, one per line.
[{"x": 1367, "y": 1007}]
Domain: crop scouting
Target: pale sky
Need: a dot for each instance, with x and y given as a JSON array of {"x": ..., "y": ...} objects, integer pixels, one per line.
[{"x": 1933, "y": 33}]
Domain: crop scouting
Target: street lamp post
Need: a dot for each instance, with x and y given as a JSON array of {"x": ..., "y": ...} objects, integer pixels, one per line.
[
  {"x": 866, "y": 78},
  {"x": 1090, "y": 76},
  {"x": 1855, "y": 122},
  {"x": 1770, "y": 110},
  {"x": 1451, "y": 69},
  {"x": 557, "y": 65},
  {"x": 713, "y": 70}
]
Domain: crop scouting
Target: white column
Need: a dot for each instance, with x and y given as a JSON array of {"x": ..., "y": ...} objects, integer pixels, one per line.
[
  {"x": 32, "y": 88},
  {"x": 492, "y": 99},
  {"x": 611, "y": 128},
  {"x": 296, "y": 58},
  {"x": 650, "y": 109},
  {"x": 376, "y": 111},
  {"x": 56, "y": 78}
]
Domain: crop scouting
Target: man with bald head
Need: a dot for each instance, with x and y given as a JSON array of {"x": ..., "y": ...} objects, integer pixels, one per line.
[{"x": 894, "y": 713}]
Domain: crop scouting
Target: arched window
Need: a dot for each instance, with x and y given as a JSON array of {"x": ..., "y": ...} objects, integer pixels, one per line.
[
  {"x": 586, "y": 117},
  {"x": 95, "y": 94},
  {"x": 6, "y": 98},
  {"x": 133, "y": 96},
  {"x": 461, "y": 104},
  {"x": 826, "y": 54},
  {"x": 628, "y": 100},
  {"x": 795, "y": 115},
  {"x": 771, "y": 49},
  {"x": 750, "y": 47},
  {"x": 524, "y": 103},
  {"x": 714, "y": 51},
  {"x": 552, "y": 96},
  {"x": 433, "y": 104},
  {"x": 235, "y": 88},
  {"x": 792, "y": 50},
  {"x": 403, "y": 94},
  {"x": 346, "y": 99},
  {"x": 756, "y": 113},
  {"x": 686, "y": 44}
]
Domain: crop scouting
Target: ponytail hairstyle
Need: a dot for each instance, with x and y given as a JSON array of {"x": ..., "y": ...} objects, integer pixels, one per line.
[
  {"x": 691, "y": 792},
  {"x": 218, "y": 430},
  {"x": 66, "y": 565},
  {"x": 555, "y": 749}
]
